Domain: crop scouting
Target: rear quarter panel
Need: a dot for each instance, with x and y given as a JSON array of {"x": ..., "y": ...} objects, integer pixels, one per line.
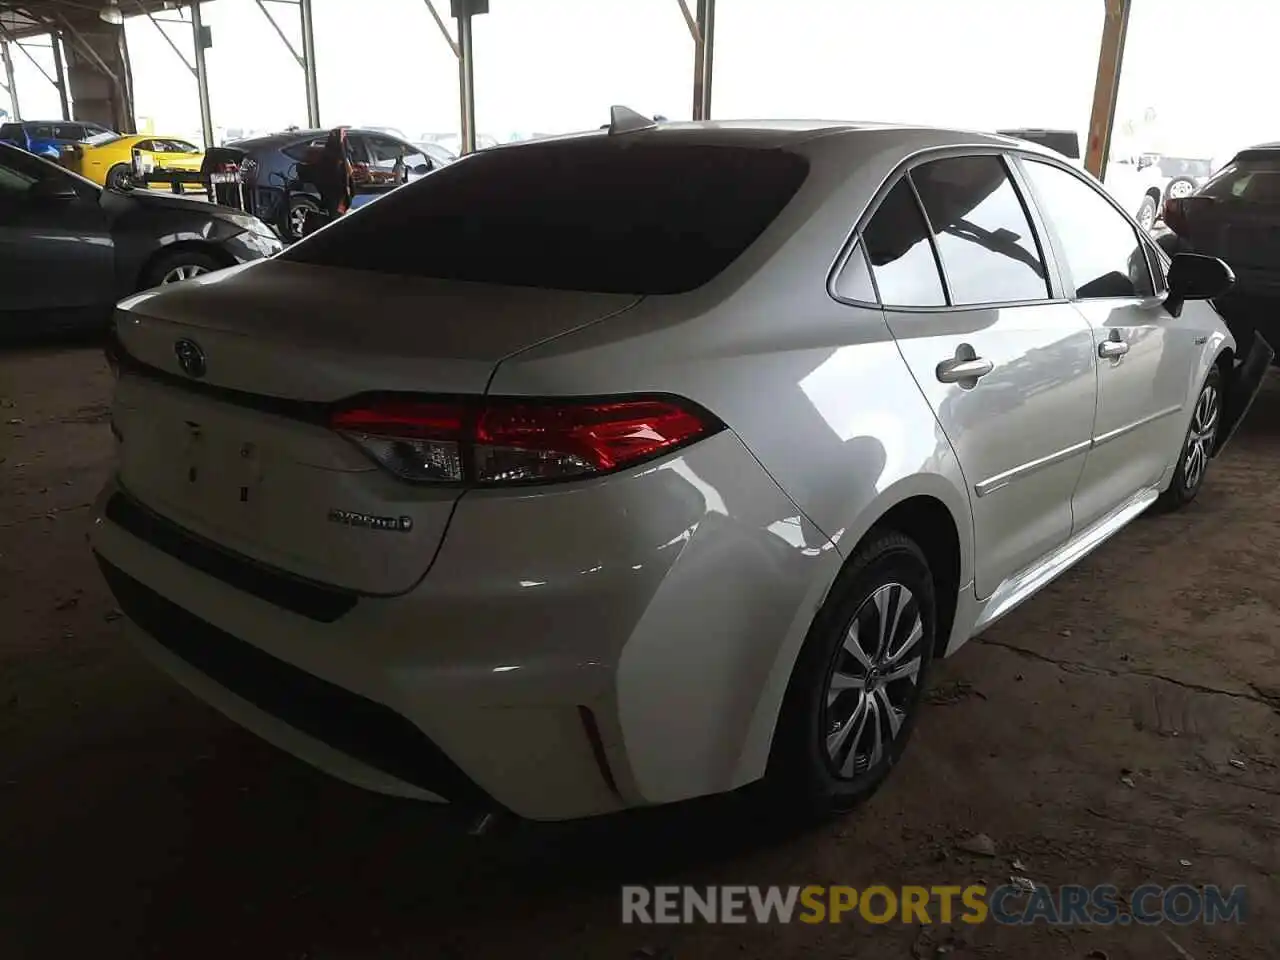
[{"x": 816, "y": 390}]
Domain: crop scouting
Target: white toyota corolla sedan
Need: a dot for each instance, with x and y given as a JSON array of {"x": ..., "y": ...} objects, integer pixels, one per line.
[{"x": 645, "y": 464}]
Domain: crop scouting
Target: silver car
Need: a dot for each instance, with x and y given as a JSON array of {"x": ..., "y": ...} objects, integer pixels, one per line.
[{"x": 628, "y": 467}]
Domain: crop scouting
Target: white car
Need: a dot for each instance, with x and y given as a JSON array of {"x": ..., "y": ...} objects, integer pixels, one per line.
[{"x": 633, "y": 466}]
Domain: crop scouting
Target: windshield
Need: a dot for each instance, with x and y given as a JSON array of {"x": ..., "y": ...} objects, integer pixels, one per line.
[{"x": 609, "y": 215}]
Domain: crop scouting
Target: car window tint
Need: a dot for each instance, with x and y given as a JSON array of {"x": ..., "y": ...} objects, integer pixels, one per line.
[
  {"x": 144, "y": 145},
  {"x": 13, "y": 182},
  {"x": 901, "y": 254},
  {"x": 981, "y": 230},
  {"x": 69, "y": 131},
  {"x": 606, "y": 214},
  {"x": 182, "y": 146},
  {"x": 1254, "y": 181},
  {"x": 42, "y": 131},
  {"x": 1101, "y": 247},
  {"x": 854, "y": 281}
]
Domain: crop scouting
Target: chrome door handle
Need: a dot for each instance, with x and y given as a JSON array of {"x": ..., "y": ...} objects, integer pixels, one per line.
[
  {"x": 1112, "y": 349},
  {"x": 956, "y": 370}
]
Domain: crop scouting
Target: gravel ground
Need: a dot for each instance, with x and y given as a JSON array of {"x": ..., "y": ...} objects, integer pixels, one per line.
[{"x": 1122, "y": 727}]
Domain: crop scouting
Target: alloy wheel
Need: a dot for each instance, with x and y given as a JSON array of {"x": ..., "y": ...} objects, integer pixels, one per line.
[
  {"x": 1200, "y": 439},
  {"x": 872, "y": 684},
  {"x": 1181, "y": 188},
  {"x": 183, "y": 271},
  {"x": 298, "y": 220}
]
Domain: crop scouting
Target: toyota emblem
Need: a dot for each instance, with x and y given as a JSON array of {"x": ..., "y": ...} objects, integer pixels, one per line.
[{"x": 190, "y": 358}]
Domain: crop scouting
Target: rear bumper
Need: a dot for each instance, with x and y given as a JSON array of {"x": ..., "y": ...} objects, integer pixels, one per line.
[{"x": 607, "y": 646}]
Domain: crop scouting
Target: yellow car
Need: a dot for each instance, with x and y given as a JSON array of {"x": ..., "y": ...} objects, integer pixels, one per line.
[{"x": 108, "y": 159}]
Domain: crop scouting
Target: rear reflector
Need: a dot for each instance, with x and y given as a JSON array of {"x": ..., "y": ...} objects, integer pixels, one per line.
[{"x": 518, "y": 441}]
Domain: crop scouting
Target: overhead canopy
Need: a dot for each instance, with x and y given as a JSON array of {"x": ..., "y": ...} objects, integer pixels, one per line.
[{"x": 25, "y": 18}]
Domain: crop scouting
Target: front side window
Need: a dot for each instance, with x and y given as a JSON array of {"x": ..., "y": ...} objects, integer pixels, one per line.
[
  {"x": 897, "y": 244},
  {"x": 1102, "y": 249},
  {"x": 19, "y": 170},
  {"x": 981, "y": 230}
]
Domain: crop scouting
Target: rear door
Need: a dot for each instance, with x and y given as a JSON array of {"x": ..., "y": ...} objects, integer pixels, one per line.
[
  {"x": 1146, "y": 357},
  {"x": 1004, "y": 361}
]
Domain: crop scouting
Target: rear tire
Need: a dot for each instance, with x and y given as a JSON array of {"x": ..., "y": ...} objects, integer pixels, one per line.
[
  {"x": 852, "y": 700},
  {"x": 1197, "y": 447},
  {"x": 299, "y": 208},
  {"x": 1180, "y": 187}
]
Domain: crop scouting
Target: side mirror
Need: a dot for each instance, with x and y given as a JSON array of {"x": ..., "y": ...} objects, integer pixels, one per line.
[
  {"x": 1196, "y": 277},
  {"x": 1169, "y": 243},
  {"x": 421, "y": 169},
  {"x": 1144, "y": 162},
  {"x": 314, "y": 220},
  {"x": 52, "y": 190}
]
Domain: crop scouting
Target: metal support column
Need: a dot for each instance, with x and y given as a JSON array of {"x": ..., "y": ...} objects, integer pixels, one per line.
[
  {"x": 702, "y": 29},
  {"x": 60, "y": 74},
  {"x": 466, "y": 79},
  {"x": 1106, "y": 88},
  {"x": 309, "y": 63},
  {"x": 202, "y": 75},
  {"x": 9, "y": 83}
]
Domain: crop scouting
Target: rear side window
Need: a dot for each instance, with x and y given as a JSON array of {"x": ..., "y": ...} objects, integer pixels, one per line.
[
  {"x": 981, "y": 230},
  {"x": 901, "y": 254},
  {"x": 1255, "y": 181},
  {"x": 615, "y": 215},
  {"x": 299, "y": 151},
  {"x": 10, "y": 131},
  {"x": 1105, "y": 257}
]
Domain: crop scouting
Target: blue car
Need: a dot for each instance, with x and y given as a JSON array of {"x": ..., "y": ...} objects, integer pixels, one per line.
[{"x": 47, "y": 138}]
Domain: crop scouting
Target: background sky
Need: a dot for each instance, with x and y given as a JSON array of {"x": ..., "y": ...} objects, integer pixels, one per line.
[{"x": 557, "y": 65}]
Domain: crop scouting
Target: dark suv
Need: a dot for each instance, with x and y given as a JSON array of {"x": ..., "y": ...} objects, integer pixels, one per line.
[{"x": 276, "y": 192}]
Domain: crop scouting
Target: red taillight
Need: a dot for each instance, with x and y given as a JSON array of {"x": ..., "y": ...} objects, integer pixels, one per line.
[
  {"x": 514, "y": 441},
  {"x": 1175, "y": 215}
]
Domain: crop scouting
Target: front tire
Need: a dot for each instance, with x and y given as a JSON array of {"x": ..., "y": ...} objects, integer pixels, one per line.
[
  {"x": 1146, "y": 215},
  {"x": 120, "y": 177},
  {"x": 851, "y": 703},
  {"x": 1180, "y": 187},
  {"x": 1197, "y": 447},
  {"x": 177, "y": 266}
]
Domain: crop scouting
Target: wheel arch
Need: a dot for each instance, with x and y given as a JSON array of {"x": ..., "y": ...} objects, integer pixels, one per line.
[
  {"x": 929, "y": 510},
  {"x": 169, "y": 249}
]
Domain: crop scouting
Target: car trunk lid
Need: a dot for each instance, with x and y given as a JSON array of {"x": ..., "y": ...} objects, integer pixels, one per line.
[{"x": 225, "y": 387}]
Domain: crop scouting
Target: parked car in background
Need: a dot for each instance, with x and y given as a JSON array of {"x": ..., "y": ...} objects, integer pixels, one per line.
[
  {"x": 107, "y": 159},
  {"x": 512, "y": 489},
  {"x": 1236, "y": 216},
  {"x": 1183, "y": 176},
  {"x": 49, "y": 138},
  {"x": 269, "y": 167},
  {"x": 1132, "y": 180},
  {"x": 70, "y": 249},
  {"x": 438, "y": 153}
]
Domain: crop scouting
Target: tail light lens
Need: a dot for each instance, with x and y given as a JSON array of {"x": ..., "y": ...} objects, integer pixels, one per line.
[
  {"x": 1175, "y": 216},
  {"x": 516, "y": 441}
]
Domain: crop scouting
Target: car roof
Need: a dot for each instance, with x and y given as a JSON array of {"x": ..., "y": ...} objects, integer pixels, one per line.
[
  {"x": 286, "y": 137},
  {"x": 795, "y": 134},
  {"x": 1261, "y": 151}
]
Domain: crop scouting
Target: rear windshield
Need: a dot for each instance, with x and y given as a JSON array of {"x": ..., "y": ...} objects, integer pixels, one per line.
[
  {"x": 1255, "y": 181},
  {"x": 610, "y": 216}
]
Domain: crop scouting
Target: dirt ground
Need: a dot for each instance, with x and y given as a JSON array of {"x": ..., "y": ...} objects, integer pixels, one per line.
[{"x": 1091, "y": 735}]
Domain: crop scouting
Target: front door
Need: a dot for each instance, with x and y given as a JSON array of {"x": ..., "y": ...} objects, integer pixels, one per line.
[
  {"x": 1008, "y": 371},
  {"x": 56, "y": 251},
  {"x": 1145, "y": 355}
]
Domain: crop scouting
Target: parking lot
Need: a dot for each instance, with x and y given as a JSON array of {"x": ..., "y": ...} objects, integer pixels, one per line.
[{"x": 1123, "y": 726}]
